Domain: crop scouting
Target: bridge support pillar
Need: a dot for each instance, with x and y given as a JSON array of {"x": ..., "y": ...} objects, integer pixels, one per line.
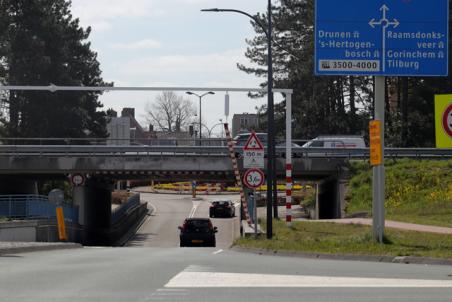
[{"x": 94, "y": 203}]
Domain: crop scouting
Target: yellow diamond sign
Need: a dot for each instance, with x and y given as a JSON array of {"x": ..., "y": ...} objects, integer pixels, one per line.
[{"x": 443, "y": 120}]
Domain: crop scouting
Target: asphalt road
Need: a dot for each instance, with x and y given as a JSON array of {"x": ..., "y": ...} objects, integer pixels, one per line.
[
  {"x": 211, "y": 274},
  {"x": 154, "y": 268},
  {"x": 169, "y": 212}
]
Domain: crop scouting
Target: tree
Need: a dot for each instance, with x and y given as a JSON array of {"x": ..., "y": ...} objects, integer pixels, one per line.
[
  {"x": 170, "y": 112},
  {"x": 339, "y": 104},
  {"x": 41, "y": 43},
  {"x": 321, "y": 105}
]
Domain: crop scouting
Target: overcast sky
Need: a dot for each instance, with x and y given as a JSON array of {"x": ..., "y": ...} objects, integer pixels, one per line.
[{"x": 171, "y": 43}]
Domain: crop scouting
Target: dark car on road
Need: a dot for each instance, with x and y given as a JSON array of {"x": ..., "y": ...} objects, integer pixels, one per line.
[
  {"x": 222, "y": 208},
  {"x": 197, "y": 232}
]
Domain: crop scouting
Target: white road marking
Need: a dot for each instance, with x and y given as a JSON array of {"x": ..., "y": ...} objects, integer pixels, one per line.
[
  {"x": 217, "y": 252},
  {"x": 196, "y": 204},
  {"x": 198, "y": 268},
  {"x": 166, "y": 294},
  {"x": 212, "y": 279}
]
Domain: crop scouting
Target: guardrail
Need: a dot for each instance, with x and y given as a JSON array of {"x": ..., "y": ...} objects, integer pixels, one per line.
[
  {"x": 33, "y": 207},
  {"x": 90, "y": 150},
  {"x": 118, "y": 213}
]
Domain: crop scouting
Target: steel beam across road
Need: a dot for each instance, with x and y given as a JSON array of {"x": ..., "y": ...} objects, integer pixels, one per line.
[
  {"x": 113, "y": 150},
  {"x": 53, "y": 88}
]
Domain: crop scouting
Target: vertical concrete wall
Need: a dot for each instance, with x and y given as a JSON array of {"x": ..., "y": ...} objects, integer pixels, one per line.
[
  {"x": 18, "y": 231},
  {"x": 94, "y": 203}
]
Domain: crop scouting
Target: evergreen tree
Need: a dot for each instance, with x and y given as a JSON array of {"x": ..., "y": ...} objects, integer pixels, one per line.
[
  {"x": 339, "y": 104},
  {"x": 321, "y": 105},
  {"x": 42, "y": 44}
]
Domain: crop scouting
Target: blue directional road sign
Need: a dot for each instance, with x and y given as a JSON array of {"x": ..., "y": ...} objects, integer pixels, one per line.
[{"x": 381, "y": 37}]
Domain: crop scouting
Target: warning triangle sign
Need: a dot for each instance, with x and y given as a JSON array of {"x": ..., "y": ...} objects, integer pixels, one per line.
[{"x": 253, "y": 143}]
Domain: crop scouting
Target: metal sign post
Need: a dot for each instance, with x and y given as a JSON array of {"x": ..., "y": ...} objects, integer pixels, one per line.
[
  {"x": 254, "y": 178},
  {"x": 255, "y": 212},
  {"x": 378, "y": 184}
]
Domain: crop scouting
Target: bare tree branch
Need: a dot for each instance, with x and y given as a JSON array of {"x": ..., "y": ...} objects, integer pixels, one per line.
[{"x": 170, "y": 112}]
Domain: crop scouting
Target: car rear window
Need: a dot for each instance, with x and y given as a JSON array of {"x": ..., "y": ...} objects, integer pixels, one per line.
[{"x": 201, "y": 225}]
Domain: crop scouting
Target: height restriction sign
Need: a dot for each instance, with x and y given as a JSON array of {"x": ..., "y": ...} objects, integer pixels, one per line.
[{"x": 443, "y": 120}]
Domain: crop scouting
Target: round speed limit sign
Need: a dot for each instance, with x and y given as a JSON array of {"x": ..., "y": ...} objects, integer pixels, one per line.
[{"x": 253, "y": 178}]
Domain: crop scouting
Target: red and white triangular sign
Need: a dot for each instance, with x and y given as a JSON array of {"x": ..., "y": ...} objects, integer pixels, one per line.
[{"x": 253, "y": 143}]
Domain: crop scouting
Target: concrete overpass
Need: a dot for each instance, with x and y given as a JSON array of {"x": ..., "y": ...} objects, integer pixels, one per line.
[{"x": 21, "y": 166}]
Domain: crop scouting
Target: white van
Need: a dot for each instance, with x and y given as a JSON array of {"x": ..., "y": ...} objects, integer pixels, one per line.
[{"x": 336, "y": 141}]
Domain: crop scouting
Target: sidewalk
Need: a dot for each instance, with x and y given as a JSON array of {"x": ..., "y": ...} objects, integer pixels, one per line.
[{"x": 393, "y": 224}]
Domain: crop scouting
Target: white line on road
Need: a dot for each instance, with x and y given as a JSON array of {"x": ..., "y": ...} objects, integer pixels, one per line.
[
  {"x": 196, "y": 204},
  {"x": 212, "y": 279},
  {"x": 217, "y": 252}
]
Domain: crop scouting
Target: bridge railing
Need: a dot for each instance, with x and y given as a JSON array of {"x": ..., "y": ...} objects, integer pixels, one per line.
[
  {"x": 65, "y": 141},
  {"x": 142, "y": 150},
  {"x": 33, "y": 207},
  {"x": 132, "y": 202}
]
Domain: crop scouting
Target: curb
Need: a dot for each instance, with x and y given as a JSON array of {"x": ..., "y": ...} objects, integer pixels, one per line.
[
  {"x": 38, "y": 248},
  {"x": 369, "y": 258}
]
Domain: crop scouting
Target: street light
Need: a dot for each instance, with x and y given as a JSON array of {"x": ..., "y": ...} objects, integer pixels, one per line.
[
  {"x": 271, "y": 163},
  {"x": 211, "y": 128},
  {"x": 200, "y": 97}
]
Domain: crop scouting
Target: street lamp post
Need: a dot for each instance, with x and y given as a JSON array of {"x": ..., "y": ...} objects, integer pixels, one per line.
[
  {"x": 200, "y": 97},
  {"x": 211, "y": 128},
  {"x": 271, "y": 163}
]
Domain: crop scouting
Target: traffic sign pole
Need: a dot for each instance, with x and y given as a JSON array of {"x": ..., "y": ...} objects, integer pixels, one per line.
[
  {"x": 255, "y": 212},
  {"x": 378, "y": 185},
  {"x": 289, "y": 159}
]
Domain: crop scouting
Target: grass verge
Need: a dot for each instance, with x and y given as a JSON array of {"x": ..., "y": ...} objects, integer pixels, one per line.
[
  {"x": 332, "y": 238},
  {"x": 417, "y": 191}
]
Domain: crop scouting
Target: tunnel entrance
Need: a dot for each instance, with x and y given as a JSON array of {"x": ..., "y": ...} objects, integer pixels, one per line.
[{"x": 329, "y": 201}]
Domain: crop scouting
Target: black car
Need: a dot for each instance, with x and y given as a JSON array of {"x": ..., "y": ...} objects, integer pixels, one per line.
[
  {"x": 222, "y": 208},
  {"x": 197, "y": 232}
]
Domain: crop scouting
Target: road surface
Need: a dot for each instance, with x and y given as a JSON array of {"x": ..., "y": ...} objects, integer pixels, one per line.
[
  {"x": 169, "y": 212},
  {"x": 154, "y": 268},
  {"x": 211, "y": 274}
]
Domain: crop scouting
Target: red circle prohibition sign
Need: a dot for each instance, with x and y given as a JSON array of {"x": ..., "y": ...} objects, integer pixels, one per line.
[
  {"x": 447, "y": 120},
  {"x": 253, "y": 178}
]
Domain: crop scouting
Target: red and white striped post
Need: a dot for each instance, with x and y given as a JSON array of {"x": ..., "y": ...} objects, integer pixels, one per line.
[
  {"x": 238, "y": 179},
  {"x": 289, "y": 159}
]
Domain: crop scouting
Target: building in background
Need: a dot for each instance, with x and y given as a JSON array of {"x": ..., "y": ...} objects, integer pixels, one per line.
[
  {"x": 126, "y": 130},
  {"x": 244, "y": 122}
]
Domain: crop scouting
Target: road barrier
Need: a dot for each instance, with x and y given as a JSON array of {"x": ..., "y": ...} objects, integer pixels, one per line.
[
  {"x": 33, "y": 207},
  {"x": 144, "y": 150},
  {"x": 238, "y": 179}
]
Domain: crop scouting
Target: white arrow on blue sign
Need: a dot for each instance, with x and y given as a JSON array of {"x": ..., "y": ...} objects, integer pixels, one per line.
[{"x": 382, "y": 37}]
